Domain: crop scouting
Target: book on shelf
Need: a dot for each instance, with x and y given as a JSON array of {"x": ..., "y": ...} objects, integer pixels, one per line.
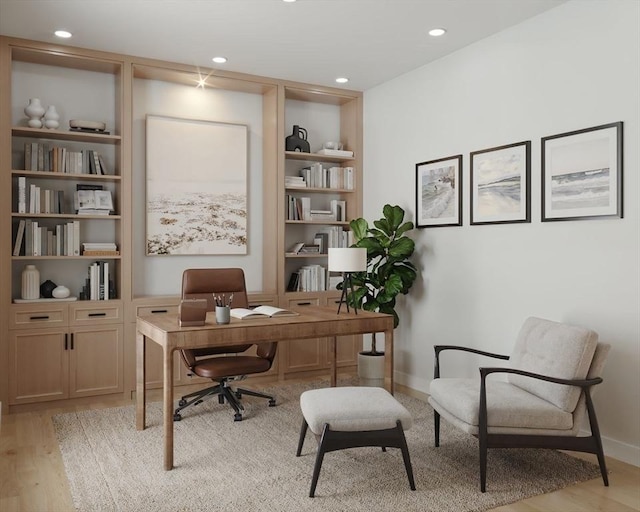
[
  {"x": 261, "y": 312},
  {"x": 92, "y": 200},
  {"x": 17, "y": 247},
  {"x": 335, "y": 152},
  {"x": 100, "y": 249},
  {"x": 294, "y": 281},
  {"x": 295, "y": 248},
  {"x": 309, "y": 248}
]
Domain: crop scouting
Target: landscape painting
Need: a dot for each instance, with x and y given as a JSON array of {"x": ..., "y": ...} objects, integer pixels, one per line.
[
  {"x": 500, "y": 184},
  {"x": 439, "y": 192},
  {"x": 196, "y": 187},
  {"x": 582, "y": 173}
]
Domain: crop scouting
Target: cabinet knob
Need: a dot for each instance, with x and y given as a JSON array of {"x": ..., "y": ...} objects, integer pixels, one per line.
[
  {"x": 303, "y": 303},
  {"x": 97, "y": 314},
  {"x": 159, "y": 311},
  {"x": 41, "y": 317}
]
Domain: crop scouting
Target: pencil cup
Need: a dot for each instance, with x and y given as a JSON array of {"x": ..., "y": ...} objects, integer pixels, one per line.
[{"x": 223, "y": 314}]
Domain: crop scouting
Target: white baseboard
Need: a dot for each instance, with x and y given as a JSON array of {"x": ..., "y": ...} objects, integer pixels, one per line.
[{"x": 612, "y": 448}]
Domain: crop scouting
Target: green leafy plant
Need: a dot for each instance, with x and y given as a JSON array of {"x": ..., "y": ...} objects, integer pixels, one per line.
[{"x": 389, "y": 271}]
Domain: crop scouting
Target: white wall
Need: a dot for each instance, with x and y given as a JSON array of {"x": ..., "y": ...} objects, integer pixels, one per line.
[{"x": 573, "y": 67}]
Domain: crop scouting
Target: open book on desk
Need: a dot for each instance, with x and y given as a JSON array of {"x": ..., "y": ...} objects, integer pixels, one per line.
[{"x": 261, "y": 312}]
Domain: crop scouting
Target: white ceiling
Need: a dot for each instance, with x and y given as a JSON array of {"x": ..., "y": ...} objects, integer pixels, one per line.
[{"x": 313, "y": 41}]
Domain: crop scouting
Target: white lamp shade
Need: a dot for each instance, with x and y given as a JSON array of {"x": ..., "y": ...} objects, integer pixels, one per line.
[{"x": 348, "y": 259}]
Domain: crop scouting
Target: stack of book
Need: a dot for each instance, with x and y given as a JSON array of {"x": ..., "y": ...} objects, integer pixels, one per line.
[
  {"x": 35, "y": 240},
  {"x": 294, "y": 182},
  {"x": 100, "y": 249},
  {"x": 92, "y": 200},
  {"x": 40, "y": 157},
  {"x": 98, "y": 285}
]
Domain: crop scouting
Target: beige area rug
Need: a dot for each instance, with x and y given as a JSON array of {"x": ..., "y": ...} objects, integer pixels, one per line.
[{"x": 251, "y": 465}]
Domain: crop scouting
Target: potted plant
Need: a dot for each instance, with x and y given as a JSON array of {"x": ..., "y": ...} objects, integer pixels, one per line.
[{"x": 389, "y": 273}]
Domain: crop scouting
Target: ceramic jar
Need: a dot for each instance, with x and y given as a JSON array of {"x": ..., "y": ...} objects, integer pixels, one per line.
[
  {"x": 30, "y": 282},
  {"x": 34, "y": 111},
  {"x": 51, "y": 118}
]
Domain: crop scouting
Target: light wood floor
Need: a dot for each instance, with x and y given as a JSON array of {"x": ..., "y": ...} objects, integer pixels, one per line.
[{"x": 33, "y": 479}]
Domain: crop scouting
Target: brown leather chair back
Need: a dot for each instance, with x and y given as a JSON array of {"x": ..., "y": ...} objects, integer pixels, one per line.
[{"x": 203, "y": 283}]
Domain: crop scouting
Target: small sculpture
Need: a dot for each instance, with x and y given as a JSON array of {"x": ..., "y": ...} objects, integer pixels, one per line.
[{"x": 297, "y": 141}]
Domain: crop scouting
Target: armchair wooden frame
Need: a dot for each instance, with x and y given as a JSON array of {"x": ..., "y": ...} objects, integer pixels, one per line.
[{"x": 486, "y": 440}]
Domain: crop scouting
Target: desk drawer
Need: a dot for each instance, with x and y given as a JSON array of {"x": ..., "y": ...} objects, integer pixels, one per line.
[
  {"x": 159, "y": 309},
  {"x": 89, "y": 313},
  {"x": 28, "y": 316}
]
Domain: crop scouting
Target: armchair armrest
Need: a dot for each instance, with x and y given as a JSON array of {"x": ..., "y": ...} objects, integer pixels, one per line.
[
  {"x": 585, "y": 384},
  {"x": 440, "y": 348}
]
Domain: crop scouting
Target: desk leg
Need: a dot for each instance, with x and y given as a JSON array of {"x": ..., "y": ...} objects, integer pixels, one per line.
[
  {"x": 168, "y": 408},
  {"x": 140, "y": 381},
  {"x": 388, "y": 348},
  {"x": 333, "y": 356}
]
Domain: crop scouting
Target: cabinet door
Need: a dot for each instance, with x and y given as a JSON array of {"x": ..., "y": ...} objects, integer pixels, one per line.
[
  {"x": 38, "y": 365},
  {"x": 96, "y": 360},
  {"x": 307, "y": 354},
  {"x": 154, "y": 366}
]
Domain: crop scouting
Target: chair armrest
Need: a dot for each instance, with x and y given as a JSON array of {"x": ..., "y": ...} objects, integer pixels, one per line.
[
  {"x": 440, "y": 348},
  {"x": 583, "y": 383}
]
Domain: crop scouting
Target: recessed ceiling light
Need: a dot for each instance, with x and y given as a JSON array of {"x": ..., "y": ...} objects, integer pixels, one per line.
[
  {"x": 436, "y": 32},
  {"x": 63, "y": 33},
  {"x": 219, "y": 60},
  {"x": 289, "y": 1},
  {"x": 342, "y": 80}
]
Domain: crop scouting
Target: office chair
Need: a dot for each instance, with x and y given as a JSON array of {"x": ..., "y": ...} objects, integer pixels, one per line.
[{"x": 228, "y": 363}]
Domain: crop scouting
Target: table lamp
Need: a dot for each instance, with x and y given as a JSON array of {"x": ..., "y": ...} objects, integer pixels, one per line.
[{"x": 347, "y": 260}]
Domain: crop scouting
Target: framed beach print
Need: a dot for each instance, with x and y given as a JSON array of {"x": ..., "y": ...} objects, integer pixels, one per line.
[
  {"x": 582, "y": 174},
  {"x": 439, "y": 192},
  {"x": 196, "y": 186},
  {"x": 500, "y": 180}
]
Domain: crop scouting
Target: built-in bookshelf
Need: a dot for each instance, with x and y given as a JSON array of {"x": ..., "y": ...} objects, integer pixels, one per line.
[{"x": 63, "y": 189}]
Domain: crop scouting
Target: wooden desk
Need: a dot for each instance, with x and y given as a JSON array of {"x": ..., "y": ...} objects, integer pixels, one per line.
[{"x": 312, "y": 322}]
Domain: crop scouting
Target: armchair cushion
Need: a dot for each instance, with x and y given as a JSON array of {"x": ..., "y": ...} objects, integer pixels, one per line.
[
  {"x": 554, "y": 349},
  {"x": 508, "y": 406}
]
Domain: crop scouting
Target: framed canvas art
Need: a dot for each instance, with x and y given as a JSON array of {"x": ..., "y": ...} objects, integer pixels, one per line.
[
  {"x": 439, "y": 192},
  {"x": 500, "y": 181},
  {"x": 582, "y": 174},
  {"x": 196, "y": 187}
]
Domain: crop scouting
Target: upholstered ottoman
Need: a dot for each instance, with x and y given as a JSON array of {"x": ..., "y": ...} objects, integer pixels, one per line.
[{"x": 352, "y": 417}]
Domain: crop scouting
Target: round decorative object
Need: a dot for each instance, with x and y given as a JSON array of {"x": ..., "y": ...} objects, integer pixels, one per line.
[
  {"x": 51, "y": 118},
  {"x": 30, "y": 282},
  {"x": 46, "y": 289},
  {"x": 34, "y": 111},
  {"x": 87, "y": 125},
  {"x": 61, "y": 292}
]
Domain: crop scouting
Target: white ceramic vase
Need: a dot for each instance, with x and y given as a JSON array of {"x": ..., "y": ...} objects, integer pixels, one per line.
[
  {"x": 51, "y": 118},
  {"x": 34, "y": 111},
  {"x": 30, "y": 282}
]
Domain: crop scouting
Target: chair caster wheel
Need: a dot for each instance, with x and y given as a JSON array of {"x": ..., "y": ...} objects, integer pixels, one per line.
[
  {"x": 272, "y": 403},
  {"x": 220, "y": 399},
  {"x": 238, "y": 395},
  {"x": 237, "y": 417},
  {"x": 182, "y": 402},
  {"x": 177, "y": 417}
]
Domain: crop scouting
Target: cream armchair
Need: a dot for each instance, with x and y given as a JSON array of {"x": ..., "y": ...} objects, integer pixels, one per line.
[{"x": 542, "y": 402}]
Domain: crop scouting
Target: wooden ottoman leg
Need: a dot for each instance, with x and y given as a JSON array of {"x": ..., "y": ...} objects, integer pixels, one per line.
[
  {"x": 405, "y": 455},
  {"x": 303, "y": 432},
  {"x": 319, "y": 458}
]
